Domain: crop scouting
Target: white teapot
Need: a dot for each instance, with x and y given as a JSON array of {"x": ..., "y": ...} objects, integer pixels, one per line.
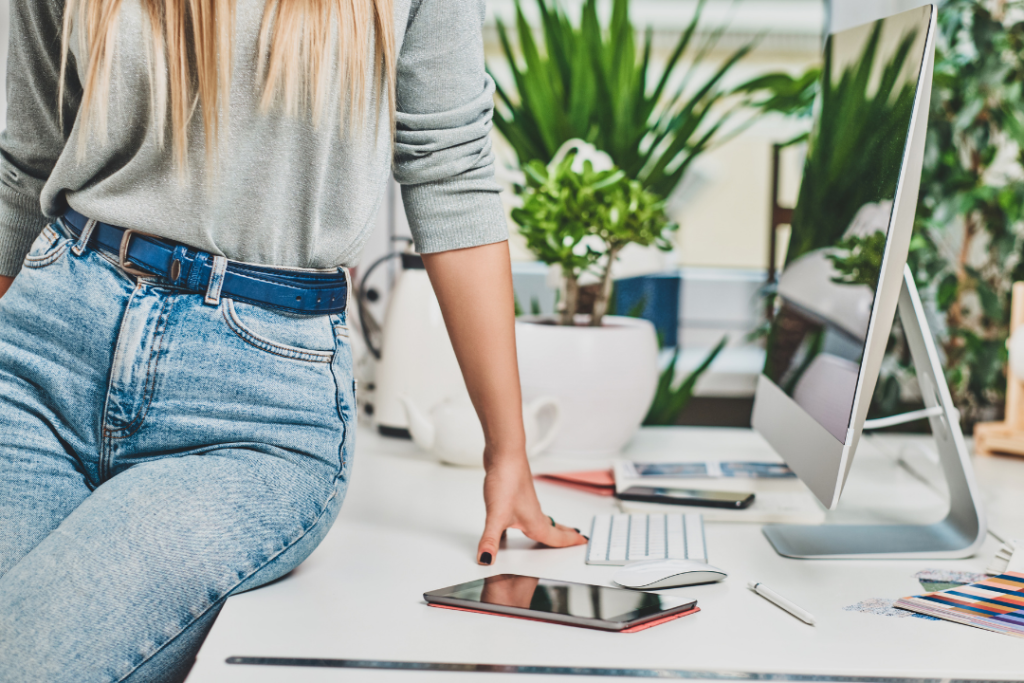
[{"x": 452, "y": 431}]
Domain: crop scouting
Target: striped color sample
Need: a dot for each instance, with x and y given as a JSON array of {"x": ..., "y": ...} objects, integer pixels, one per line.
[{"x": 996, "y": 604}]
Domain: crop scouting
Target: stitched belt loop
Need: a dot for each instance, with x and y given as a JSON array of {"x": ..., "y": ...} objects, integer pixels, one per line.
[
  {"x": 348, "y": 289},
  {"x": 83, "y": 239},
  {"x": 196, "y": 271},
  {"x": 220, "y": 264}
]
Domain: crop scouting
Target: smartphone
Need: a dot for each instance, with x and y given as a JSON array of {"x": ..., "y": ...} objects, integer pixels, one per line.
[
  {"x": 713, "y": 499},
  {"x": 564, "y": 602}
]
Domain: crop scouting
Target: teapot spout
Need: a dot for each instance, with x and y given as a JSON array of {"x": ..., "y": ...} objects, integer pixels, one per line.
[{"x": 420, "y": 427}]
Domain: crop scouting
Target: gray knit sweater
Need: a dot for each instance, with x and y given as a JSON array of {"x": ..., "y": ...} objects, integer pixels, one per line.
[{"x": 285, "y": 192}]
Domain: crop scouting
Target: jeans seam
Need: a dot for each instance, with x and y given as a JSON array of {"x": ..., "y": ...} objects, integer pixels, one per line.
[
  {"x": 264, "y": 344},
  {"x": 106, "y": 451},
  {"x": 341, "y": 413},
  {"x": 151, "y": 377},
  {"x": 222, "y": 598}
]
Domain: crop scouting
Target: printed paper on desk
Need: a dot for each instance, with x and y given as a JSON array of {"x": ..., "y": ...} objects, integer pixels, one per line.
[
  {"x": 746, "y": 477},
  {"x": 712, "y": 470}
]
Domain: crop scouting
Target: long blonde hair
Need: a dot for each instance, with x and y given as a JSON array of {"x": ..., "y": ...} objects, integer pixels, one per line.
[{"x": 190, "y": 50}]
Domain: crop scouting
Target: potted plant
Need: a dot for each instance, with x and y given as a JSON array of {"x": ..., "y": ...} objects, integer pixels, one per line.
[
  {"x": 579, "y": 219},
  {"x": 602, "y": 368},
  {"x": 591, "y": 87}
]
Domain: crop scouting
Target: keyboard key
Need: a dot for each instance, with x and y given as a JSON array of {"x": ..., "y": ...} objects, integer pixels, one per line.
[
  {"x": 656, "y": 536},
  {"x": 600, "y": 534},
  {"x": 637, "y": 537},
  {"x": 695, "y": 538},
  {"x": 619, "y": 537},
  {"x": 676, "y": 537}
]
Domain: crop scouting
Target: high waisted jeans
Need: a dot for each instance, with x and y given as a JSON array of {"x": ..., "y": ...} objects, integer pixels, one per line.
[{"x": 157, "y": 454}]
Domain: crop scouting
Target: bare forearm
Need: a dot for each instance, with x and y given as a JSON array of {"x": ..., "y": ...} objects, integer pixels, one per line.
[
  {"x": 5, "y": 284},
  {"x": 474, "y": 288}
]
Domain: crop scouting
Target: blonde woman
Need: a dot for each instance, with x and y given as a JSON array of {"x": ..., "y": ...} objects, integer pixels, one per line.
[{"x": 182, "y": 185}]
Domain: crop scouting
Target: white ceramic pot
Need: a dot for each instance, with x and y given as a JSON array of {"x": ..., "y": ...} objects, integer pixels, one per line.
[
  {"x": 452, "y": 431},
  {"x": 603, "y": 377}
]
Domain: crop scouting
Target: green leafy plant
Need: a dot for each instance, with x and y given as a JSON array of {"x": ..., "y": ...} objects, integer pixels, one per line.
[
  {"x": 970, "y": 217},
  {"x": 858, "y": 259},
  {"x": 784, "y": 94},
  {"x": 582, "y": 220},
  {"x": 591, "y": 82},
  {"x": 669, "y": 398}
]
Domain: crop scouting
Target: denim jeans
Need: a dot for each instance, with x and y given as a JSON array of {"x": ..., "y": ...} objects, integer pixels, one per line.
[{"x": 157, "y": 454}]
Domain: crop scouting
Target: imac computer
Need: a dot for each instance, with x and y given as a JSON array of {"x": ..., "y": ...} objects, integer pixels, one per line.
[{"x": 844, "y": 279}]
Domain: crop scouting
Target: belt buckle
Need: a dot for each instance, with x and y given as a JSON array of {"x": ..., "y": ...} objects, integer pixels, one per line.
[{"x": 122, "y": 254}]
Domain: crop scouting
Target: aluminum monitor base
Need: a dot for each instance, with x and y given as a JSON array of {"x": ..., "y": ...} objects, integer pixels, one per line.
[{"x": 961, "y": 532}]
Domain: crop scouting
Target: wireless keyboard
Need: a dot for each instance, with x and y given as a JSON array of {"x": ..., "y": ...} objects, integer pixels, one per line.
[{"x": 618, "y": 539}]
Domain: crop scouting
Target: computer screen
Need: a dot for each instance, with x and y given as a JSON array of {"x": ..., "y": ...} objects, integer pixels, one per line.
[{"x": 840, "y": 226}]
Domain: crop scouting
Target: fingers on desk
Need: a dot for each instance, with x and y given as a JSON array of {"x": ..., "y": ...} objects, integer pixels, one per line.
[{"x": 558, "y": 536}]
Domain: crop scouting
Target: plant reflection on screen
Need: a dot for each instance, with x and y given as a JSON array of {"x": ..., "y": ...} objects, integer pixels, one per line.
[
  {"x": 856, "y": 149},
  {"x": 840, "y": 225},
  {"x": 857, "y": 260}
]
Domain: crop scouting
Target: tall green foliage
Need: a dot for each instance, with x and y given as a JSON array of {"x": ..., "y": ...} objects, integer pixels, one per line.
[
  {"x": 669, "y": 398},
  {"x": 591, "y": 82},
  {"x": 970, "y": 217}
]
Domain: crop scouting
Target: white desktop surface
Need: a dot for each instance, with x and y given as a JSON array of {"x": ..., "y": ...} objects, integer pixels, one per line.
[{"x": 410, "y": 524}]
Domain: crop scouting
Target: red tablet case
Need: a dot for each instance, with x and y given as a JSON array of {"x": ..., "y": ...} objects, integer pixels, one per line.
[{"x": 632, "y": 629}]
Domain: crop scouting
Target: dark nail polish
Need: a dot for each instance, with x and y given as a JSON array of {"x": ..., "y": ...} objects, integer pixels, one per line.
[
  {"x": 485, "y": 558},
  {"x": 586, "y": 537},
  {"x": 577, "y": 530}
]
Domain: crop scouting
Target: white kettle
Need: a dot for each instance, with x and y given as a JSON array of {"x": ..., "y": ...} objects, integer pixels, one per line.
[
  {"x": 452, "y": 431},
  {"x": 416, "y": 358}
]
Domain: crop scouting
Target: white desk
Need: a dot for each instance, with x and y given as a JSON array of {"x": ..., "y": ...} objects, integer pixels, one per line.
[{"x": 410, "y": 525}]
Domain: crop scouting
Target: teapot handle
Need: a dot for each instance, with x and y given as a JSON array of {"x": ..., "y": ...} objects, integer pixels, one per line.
[{"x": 535, "y": 408}]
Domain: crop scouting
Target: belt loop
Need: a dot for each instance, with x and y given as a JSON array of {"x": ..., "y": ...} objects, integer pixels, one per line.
[
  {"x": 348, "y": 290},
  {"x": 220, "y": 264},
  {"x": 83, "y": 239},
  {"x": 196, "y": 271}
]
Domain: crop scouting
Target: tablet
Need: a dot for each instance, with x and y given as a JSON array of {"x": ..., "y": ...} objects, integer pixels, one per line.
[{"x": 564, "y": 602}]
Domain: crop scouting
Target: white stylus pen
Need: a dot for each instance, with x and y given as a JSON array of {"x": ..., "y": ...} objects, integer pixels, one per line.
[{"x": 771, "y": 596}]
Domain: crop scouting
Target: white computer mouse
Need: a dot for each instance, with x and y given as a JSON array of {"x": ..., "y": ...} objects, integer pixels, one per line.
[{"x": 653, "y": 574}]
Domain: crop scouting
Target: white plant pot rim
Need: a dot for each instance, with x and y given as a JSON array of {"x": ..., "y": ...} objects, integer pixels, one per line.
[{"x": 582, "y": 322}]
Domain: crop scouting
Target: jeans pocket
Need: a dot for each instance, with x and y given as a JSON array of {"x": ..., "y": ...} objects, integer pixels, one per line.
[
  {"x": 47, "y": 248},
  {"x": 308, "y": 338}
]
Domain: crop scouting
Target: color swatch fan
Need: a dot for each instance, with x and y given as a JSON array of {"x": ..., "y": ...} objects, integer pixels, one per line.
[{"x": 996, "y": 604}]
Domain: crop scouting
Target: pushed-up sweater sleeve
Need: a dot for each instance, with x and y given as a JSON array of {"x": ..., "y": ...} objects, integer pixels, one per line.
[
  {"x": 443, "y": 155},
  {"x": 34, "y": 138}
]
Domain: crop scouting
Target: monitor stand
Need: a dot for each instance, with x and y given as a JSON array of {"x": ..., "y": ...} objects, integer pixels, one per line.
[{"x": 961, "y": 533}]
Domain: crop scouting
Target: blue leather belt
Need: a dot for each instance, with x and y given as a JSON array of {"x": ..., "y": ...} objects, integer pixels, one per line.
[{"x": 138, "y": 253}]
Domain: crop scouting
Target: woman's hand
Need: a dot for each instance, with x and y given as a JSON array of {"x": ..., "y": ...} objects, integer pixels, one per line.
[
  {"x": 474, "y": 288},
  {"x": 5, "y": 284},
  {"x": 512, "y": 504}
]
